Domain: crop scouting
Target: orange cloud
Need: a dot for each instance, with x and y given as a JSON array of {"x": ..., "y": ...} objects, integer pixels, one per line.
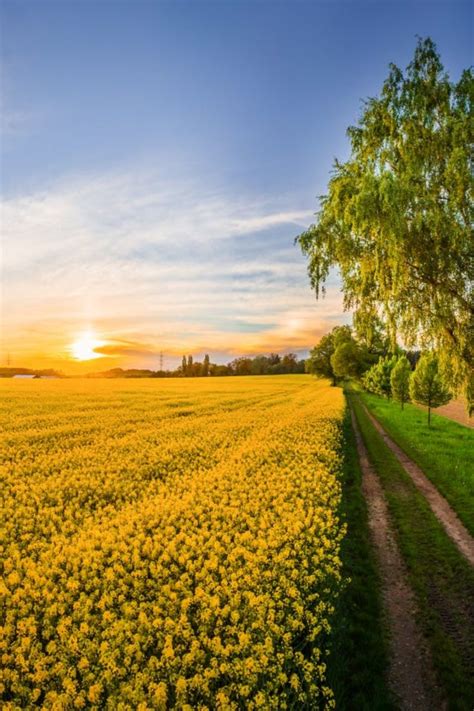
[{"x": 120, "y": 350}]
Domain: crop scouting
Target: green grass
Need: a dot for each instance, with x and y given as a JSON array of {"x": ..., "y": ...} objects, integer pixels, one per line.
[
  {"x": 357, "y": 669},
  {"x": 441, "y": 578},
  {"x": 445, "y": 452}
]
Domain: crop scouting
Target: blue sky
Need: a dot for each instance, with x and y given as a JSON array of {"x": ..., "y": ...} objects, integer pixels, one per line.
[{"x": 158, "y": 159}]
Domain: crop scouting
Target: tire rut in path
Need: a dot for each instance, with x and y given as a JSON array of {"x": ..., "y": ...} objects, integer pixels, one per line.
[
  {"x": 411, "y": 675},
  {"x": 440, "y": 507}
]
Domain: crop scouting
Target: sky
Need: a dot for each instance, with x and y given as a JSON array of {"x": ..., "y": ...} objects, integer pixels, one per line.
[{"x": 159, "y": 158}]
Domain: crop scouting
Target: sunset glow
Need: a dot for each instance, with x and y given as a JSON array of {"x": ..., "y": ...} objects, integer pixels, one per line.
[
  {"x": 84, "y": 347},
  {"x": 143, "y": 240}
]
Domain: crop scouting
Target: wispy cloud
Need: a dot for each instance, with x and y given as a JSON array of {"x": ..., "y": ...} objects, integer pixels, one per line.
[
  {"x": 127, "y": 349},
  {"x": 173, "y": 266}
]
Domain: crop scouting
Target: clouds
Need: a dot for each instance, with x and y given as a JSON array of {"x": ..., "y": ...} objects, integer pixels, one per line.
[
  {"x": 173, "y": 265},
  {"x": 127, "y": 349},
  {"x": 119, "y": 216}
]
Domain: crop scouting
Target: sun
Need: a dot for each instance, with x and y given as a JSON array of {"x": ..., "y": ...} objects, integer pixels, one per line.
[{"x": 83, "y": 348}]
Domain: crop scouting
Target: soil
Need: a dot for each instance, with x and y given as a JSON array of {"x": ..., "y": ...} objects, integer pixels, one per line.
[
  {"x": 411, "y": 674},
  {"x": 455, "y": 410},
  {"x": 440, "y": 507}
]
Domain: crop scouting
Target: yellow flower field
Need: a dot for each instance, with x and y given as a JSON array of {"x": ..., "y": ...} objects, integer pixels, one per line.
[{"x": 168, "y": 543}]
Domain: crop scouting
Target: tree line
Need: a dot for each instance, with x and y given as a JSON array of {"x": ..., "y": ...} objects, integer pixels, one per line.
[
  {"x": 273, "y": 364},
  {"x": 391, "y": 373}
]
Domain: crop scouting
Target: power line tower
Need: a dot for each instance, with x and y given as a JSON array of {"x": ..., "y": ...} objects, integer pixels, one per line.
[{"x": 161, "y": 360}]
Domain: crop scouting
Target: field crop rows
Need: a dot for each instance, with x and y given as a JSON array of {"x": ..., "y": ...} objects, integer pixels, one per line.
[{"x": 169, "y": 543}]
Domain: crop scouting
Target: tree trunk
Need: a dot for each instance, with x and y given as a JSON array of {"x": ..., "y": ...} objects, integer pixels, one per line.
[{"x": 429, "y": 415}]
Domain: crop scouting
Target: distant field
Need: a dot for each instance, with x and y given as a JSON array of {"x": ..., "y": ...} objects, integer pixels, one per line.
[
  {"x": 169, "y": 542},
  {"x": 457, "y": 410}
]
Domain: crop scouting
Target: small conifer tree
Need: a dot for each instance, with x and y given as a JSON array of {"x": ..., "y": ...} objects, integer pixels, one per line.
[
  {"x": 426, "y": 385},
  {"x": 400, "y": 380}
]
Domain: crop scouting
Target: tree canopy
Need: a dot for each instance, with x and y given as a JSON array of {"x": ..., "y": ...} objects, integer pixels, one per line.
[
  {"x": 320, "y": 358},
  {"x": 340, "y": 355},
  {"x": 347, "y": 360},
  {"x": 397, "y": 216},
  {"x": 378, "y": 378}
]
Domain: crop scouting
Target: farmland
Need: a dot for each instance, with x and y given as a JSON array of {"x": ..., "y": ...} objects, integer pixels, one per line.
[{"x": 169, "y": 543}]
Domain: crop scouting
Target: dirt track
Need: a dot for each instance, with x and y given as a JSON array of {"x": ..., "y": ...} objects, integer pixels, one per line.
[
  {"x": 411, "y": 674},
  {"x": 440, "y": 507}
]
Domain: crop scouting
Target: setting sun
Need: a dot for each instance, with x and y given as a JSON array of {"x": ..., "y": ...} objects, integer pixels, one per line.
[{"x": 84, "y": 347}]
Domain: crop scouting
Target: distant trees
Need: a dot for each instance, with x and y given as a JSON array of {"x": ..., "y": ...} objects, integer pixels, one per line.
[
  {"x": 190, "y": 369},
  {"x": 339, "y": 354},
  {"x": 397, "y": 216},
  {"x": 426, "y": 385},
  {"x": 289, "y": 363},
  {"x": 400, "y": 380},
  {"x": 219, "y": 370},
  {"x": 241, "y": 366},
  {"x": 319, "y": 362},
  {"x": 260, "y": 365},
  {"x": 273, "y": 364}
]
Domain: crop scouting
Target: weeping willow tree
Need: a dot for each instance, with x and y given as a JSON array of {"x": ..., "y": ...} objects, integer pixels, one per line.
[{"x": 397, "y": 217}]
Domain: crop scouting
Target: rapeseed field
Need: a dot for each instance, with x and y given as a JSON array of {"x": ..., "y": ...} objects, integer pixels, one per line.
[{"x": 169, "y": 543}]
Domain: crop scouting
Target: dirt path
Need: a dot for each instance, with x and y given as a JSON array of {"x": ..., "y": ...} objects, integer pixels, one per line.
[
  {"x": 411, "y": 675},
  {"x": 440, "y": 507}
]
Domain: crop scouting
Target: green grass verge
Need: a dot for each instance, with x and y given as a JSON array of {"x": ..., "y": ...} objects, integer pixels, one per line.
[
  {"x": 357, "y": 669},
  {"x": 441, "y": 578},
  {"x": 445, "y": 452}
]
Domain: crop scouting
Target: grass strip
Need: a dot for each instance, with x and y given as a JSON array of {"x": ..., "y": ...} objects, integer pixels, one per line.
[
  {"x": 445, "y": 452},
  {"x": 442, "y": 580},
  {"x": 358, "y": 664}
]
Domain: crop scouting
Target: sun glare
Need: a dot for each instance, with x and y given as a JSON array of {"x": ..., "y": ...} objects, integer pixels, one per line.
[{"x": 84, "y": 347}]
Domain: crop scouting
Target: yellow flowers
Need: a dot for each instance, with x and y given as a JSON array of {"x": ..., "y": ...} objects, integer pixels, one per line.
[{"x": 169, "y": 543}]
